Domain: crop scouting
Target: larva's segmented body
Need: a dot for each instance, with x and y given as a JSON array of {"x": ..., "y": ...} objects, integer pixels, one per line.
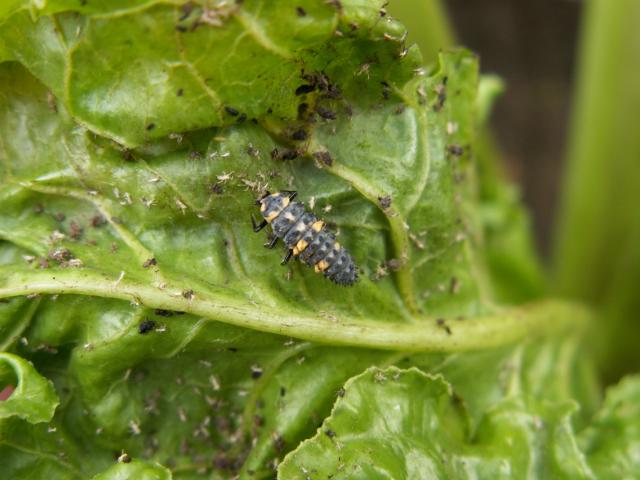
[{"x": 306, "y": 237}]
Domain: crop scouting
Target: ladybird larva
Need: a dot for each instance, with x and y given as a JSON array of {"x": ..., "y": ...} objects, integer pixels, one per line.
[{"x": 306, "y": 237}]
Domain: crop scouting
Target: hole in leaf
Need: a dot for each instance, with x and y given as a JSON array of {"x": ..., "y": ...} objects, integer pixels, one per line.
[{"x": 6, "y": 392}]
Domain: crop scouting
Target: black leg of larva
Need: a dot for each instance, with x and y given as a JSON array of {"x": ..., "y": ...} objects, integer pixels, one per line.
[
  {"x": 287, "y": 257},
  {"x": 256, "y": 227},
  {"x": 259, "y": 201},
  {"x": 271, "y": 243}
]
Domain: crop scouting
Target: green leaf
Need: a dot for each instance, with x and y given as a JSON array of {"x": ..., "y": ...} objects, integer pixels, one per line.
[
  {"x": 612, "y": 441},
  {"x": 33, "y": 399},
  {"x": 248, "y": 49},
  {"x": 157, "y": 203},
  {"x": 135, "y": 469},
  {"x": 394, "y": 423}
]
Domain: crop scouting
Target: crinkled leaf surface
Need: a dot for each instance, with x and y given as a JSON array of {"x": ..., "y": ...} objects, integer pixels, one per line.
[
  {"x": 611, "y": 442},
  {"x": 134, "y": 139},
  {"x": 394, "y": 423},
  {"x": 183, "y": 200}
]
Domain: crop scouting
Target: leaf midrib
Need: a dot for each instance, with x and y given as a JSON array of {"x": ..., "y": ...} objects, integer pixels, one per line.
[{"x": 427, "y": 334}]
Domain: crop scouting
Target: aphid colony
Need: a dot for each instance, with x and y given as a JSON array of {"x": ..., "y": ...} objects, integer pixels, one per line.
[{"x": 306, "y": 237}]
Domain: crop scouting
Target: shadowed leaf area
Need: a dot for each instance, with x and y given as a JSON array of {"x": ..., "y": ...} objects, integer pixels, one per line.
[{"x": 135, "y": 138}]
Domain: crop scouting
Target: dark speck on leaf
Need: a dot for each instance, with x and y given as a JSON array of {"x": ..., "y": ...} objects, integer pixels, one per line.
[
  {"x": 38, "y": 208},
  {"x": 97, "y": 220},
  {"x": 181, "y": 28},
  {"x": 275, "y": 154},
  {"x": 385, "y": 202},
  {"x": 269, "y": 110},
  {"x": 332, "y": 91},
  {"x": 394, "y": 264},
  {"x": 341, "y": 392},
  {"x": 326, "y": 113},
  {"x": 75, "y": 230},
  {"x": 289, "y": 154},
  {"x": 256, "y": 371},
  {"x": 302, "y": 89},
  {"x": 386, "y": 90},
  {"x": 232, "y": 111},
  {"x": 195, "y": 154},
  {"x": 455, "y": 150},
  {"x": 232, "y": 349},
  {"x": 188, "y": 294},
  {"x": 151, "y": 126},
  {"x": 242, "y": 117},
  {"x": 324, "y": 158},
  {"x": 146, "y": 326},
  {"x": 180, "y": 92},
  {"x": 302, "y": 109},
  {"x": 454, "y": 286},
  {"x": 149, "y": 262},
  {"x": 222, "y": 462},
  {"x": 278, "y": 443},
  {"x": 441, "y": 91},
  {"x": 124, "y": 458},
  {"x": 59, "y": 254},
  {"x": 442, "y": 324},
  {"x": 163, "y": 313},
  {"x": 252, "y": 152},
  {"x": 283, "y": 391},
  {"x": 329, "y": 433},
  {"x": 217, "y": 188},
  {"x": 127, "y": 155},
  {"x": 301, "y": 12},
  {"x": 348, "y": 110},
  {"x": 187, "y": 8},
  {"x": 51, "y": 101},
  {"x": 299, "y": 135},
  {"x": 60, "y": 216},
  {"x": 400, "y": 109},
  {"x": 258, "y": 421}
]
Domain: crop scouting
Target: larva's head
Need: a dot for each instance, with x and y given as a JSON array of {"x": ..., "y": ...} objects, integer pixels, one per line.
[{"x": 271, "y": 205}]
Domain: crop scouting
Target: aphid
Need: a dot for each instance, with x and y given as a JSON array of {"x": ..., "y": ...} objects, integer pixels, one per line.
[
  {"x": 302, "y": 89},
  {"x": 326, "y": 113},
  {"x": 306, "y": 237},
  {"x": 149, "y": 262},
  {"x": 146, "y": 326}
]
